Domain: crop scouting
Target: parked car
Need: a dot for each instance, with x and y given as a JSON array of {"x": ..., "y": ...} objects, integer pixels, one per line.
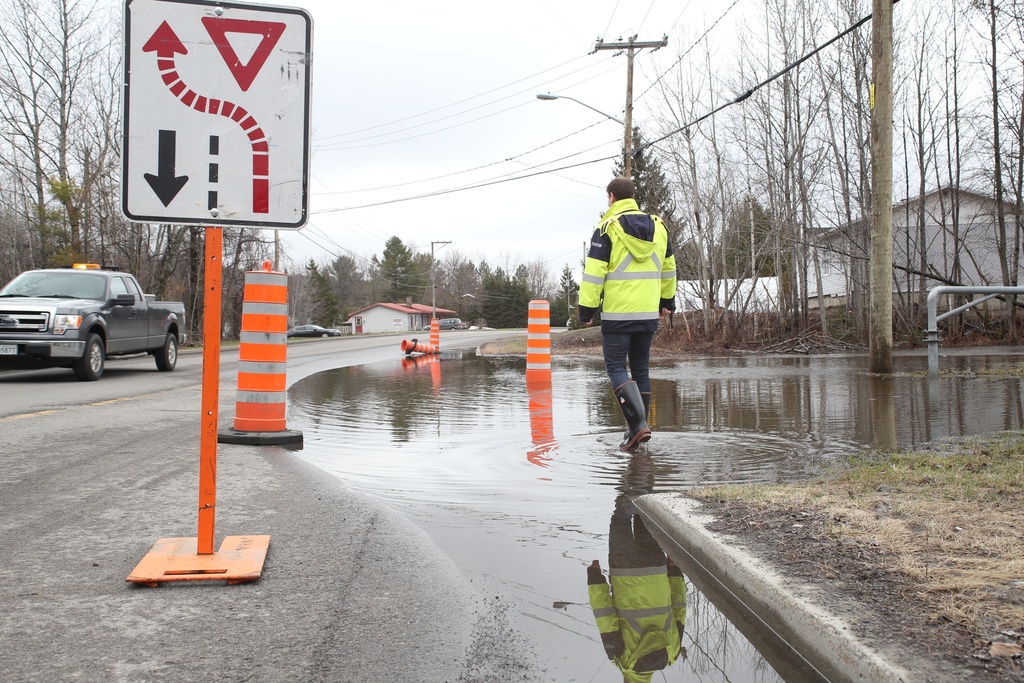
[
  {"x": 313, "y": 331},
  {"x": 452, "y": 324}
]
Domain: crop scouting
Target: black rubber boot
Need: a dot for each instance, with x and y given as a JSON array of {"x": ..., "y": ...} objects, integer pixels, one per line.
[
  {"x": 632, "y": 406},
  {"x": 647, "y": 405}
]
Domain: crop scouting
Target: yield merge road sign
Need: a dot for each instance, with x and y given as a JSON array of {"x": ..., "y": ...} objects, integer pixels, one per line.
[{"x": 216, "y": 122}]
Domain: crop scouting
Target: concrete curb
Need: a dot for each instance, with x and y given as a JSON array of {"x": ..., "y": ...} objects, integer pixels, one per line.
[{"x": 824, "y": 642}]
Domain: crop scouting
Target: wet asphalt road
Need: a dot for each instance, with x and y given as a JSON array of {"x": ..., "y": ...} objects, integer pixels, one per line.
[{"x": 95, "y": 473}]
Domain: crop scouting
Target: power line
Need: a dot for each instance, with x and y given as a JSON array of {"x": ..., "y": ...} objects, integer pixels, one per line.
[
  {"x": 453, "y": 104},
  {"x": 465, "y": 187},
  {"x": 343, "y": 144},
  {"x": 751, "y": 91},
  {"x": 689, "y": 49},
  {"x": 694, "y": 122},
  {"x": 468, "y": 170}
]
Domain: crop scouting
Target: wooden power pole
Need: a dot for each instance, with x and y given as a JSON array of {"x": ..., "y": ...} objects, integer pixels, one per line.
[
  {"x": 630, "y": 46},
  {"x": 880, "y": 324}
]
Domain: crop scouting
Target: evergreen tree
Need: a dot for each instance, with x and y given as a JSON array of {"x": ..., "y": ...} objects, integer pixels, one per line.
[
  {"x": 506, "y": 298},
  {"x": 349, "y": 283},
  {"x": 653, "y": 193},
  {"x": 566, "y": 298},
  {"x": 324, "y": 309},
  {"x": 396, "y": 269}
]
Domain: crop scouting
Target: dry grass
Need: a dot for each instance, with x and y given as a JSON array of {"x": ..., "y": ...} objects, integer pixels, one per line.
[{"x": 951, "y": 522}]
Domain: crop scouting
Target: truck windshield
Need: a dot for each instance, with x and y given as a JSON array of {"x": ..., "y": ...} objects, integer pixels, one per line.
[{"x": 53, "y": 285}]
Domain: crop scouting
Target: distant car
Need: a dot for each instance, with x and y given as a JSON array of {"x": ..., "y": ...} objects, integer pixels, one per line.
[
  {"x": 452, "y": 324},
  {"x": 313, "y": 331}
]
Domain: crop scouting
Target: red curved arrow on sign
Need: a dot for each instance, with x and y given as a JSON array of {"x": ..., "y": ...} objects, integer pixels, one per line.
[{"x": 166, "y": 44}]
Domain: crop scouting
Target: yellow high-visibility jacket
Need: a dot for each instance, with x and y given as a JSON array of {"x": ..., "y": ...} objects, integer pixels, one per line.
[
  {"x": 640, "y": 617},
  {"x": 631, "y": 266}
]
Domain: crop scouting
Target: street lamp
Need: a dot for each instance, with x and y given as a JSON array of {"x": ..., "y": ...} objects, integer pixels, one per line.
[
  {"x": 548, "y": 96},
  {"x": 628, "y": 139}
]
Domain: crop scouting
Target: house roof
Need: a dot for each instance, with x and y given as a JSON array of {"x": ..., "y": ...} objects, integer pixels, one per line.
[
  {"x": 423, "y": 308},
  {"x": 411, "y": 309}
]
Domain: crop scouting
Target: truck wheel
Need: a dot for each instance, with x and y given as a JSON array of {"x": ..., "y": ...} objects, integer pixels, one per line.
[
  {"x": 167, "y": 357},
  {"x": 89, "y": 367}
]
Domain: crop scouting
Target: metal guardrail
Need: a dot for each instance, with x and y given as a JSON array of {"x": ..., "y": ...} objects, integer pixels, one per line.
[{"x": 933, "y": 319}]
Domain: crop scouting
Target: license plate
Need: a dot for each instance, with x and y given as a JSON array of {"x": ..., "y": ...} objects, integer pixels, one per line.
[{"x": 8, "y": 349}]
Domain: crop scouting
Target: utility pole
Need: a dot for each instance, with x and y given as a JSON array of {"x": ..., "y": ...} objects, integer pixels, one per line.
[
  {"x": 433, "y": 287},
  {"x": 630, "y": 46},
  {"x": 880, "y": 325}
]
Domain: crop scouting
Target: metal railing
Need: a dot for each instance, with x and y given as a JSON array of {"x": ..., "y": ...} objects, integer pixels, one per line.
[{"x": 932, "y": 333}]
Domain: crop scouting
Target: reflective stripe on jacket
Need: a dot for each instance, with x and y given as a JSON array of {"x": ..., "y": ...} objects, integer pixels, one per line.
[{"x": 631, "y": 265}]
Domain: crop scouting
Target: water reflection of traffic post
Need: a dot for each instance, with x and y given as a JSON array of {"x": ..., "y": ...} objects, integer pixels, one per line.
[
  {"x": 542, "y": 431},
  {"x": 431, "y": 360},
  {"x": 640, "y": 609},
  {"x": 538, "y": 382}
]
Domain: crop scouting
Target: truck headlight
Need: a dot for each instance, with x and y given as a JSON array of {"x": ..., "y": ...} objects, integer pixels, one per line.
[{"x": 63, "y": 323}]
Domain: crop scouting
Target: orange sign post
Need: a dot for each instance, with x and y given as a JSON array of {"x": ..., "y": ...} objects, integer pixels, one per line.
[{"x": 240, "y": 558}]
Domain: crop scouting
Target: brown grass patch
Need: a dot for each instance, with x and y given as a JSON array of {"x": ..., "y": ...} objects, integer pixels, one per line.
[{"x": 950, "y": 524}]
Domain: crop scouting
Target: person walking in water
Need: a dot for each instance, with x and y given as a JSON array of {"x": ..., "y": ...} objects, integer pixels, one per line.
[{"x": 630, "y": 273}]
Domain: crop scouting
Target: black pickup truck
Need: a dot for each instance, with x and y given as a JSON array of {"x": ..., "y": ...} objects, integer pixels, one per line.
[{"x": 77, "y": 317}]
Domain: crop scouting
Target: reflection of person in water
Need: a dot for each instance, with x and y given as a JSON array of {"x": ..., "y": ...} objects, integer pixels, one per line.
[{"x": 641, "y": 614}]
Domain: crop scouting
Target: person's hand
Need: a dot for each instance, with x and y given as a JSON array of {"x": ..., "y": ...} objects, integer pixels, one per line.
[
  {"x": 594, "y": 574},
  {"x": 589, "y": 323}
]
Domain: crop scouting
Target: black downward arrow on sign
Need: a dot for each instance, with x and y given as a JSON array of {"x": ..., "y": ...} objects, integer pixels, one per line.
[{"x": 165, "y": 184}]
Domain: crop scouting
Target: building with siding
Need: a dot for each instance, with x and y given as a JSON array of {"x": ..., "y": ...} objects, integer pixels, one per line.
[{"x": 380, "y": 318}]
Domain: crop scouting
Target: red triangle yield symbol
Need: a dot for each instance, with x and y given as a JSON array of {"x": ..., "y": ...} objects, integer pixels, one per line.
[{"x": 245, "y": 74}]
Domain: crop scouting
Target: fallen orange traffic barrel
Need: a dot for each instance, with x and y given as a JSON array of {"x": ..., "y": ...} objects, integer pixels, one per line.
[
  {"x": 262, "y": 362},
  {"x": 414, "y": 346},
  {"x": 538, "y": 342}
]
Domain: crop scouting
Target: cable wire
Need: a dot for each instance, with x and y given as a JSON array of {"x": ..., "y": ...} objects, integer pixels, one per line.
[
  {"x": 791, "y": 66},
  {"x": 740, "y": 98}
]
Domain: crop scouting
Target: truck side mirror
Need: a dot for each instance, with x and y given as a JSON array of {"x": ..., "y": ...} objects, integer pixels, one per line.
[{"x": 123, "y": 300}]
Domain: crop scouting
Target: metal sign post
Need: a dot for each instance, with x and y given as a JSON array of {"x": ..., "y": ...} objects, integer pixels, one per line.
[{"x": 216, "y": 133}]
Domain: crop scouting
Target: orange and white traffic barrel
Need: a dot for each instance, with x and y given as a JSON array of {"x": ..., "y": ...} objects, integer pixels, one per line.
[
  {"x": 260, "y": 397},
  {"x": 538, "y": 342}
]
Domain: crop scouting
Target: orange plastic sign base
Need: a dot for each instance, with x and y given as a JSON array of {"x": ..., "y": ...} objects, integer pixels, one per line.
[{"x": 239, "y": 559}]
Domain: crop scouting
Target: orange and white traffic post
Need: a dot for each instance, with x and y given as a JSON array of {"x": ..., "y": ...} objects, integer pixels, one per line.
[
  {"x": 260, "y": 398},
  {"x": 435, "y": 333},
  {"x": 538, "y": 342}
]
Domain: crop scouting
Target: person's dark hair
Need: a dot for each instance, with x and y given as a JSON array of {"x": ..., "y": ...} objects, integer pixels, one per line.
[{"x": 621, "y": 188}]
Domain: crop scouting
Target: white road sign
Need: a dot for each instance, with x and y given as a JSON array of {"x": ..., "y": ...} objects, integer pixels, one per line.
[{"x": 216, "y": 114}]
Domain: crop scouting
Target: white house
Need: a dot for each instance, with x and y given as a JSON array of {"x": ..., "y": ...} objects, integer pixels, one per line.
[
  {"x": 945, "y": 237},
  {"x": 380, "y": 317}
]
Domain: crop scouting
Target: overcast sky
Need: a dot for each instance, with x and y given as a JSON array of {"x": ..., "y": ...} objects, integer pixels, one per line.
[{"x": 412, "y": 100}]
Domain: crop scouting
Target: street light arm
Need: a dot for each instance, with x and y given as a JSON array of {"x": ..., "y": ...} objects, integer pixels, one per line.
[{"x": 549, "y": 96}]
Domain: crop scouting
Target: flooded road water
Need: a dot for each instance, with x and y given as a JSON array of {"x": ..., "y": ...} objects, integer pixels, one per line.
[{"x": 521, "y": 486}]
